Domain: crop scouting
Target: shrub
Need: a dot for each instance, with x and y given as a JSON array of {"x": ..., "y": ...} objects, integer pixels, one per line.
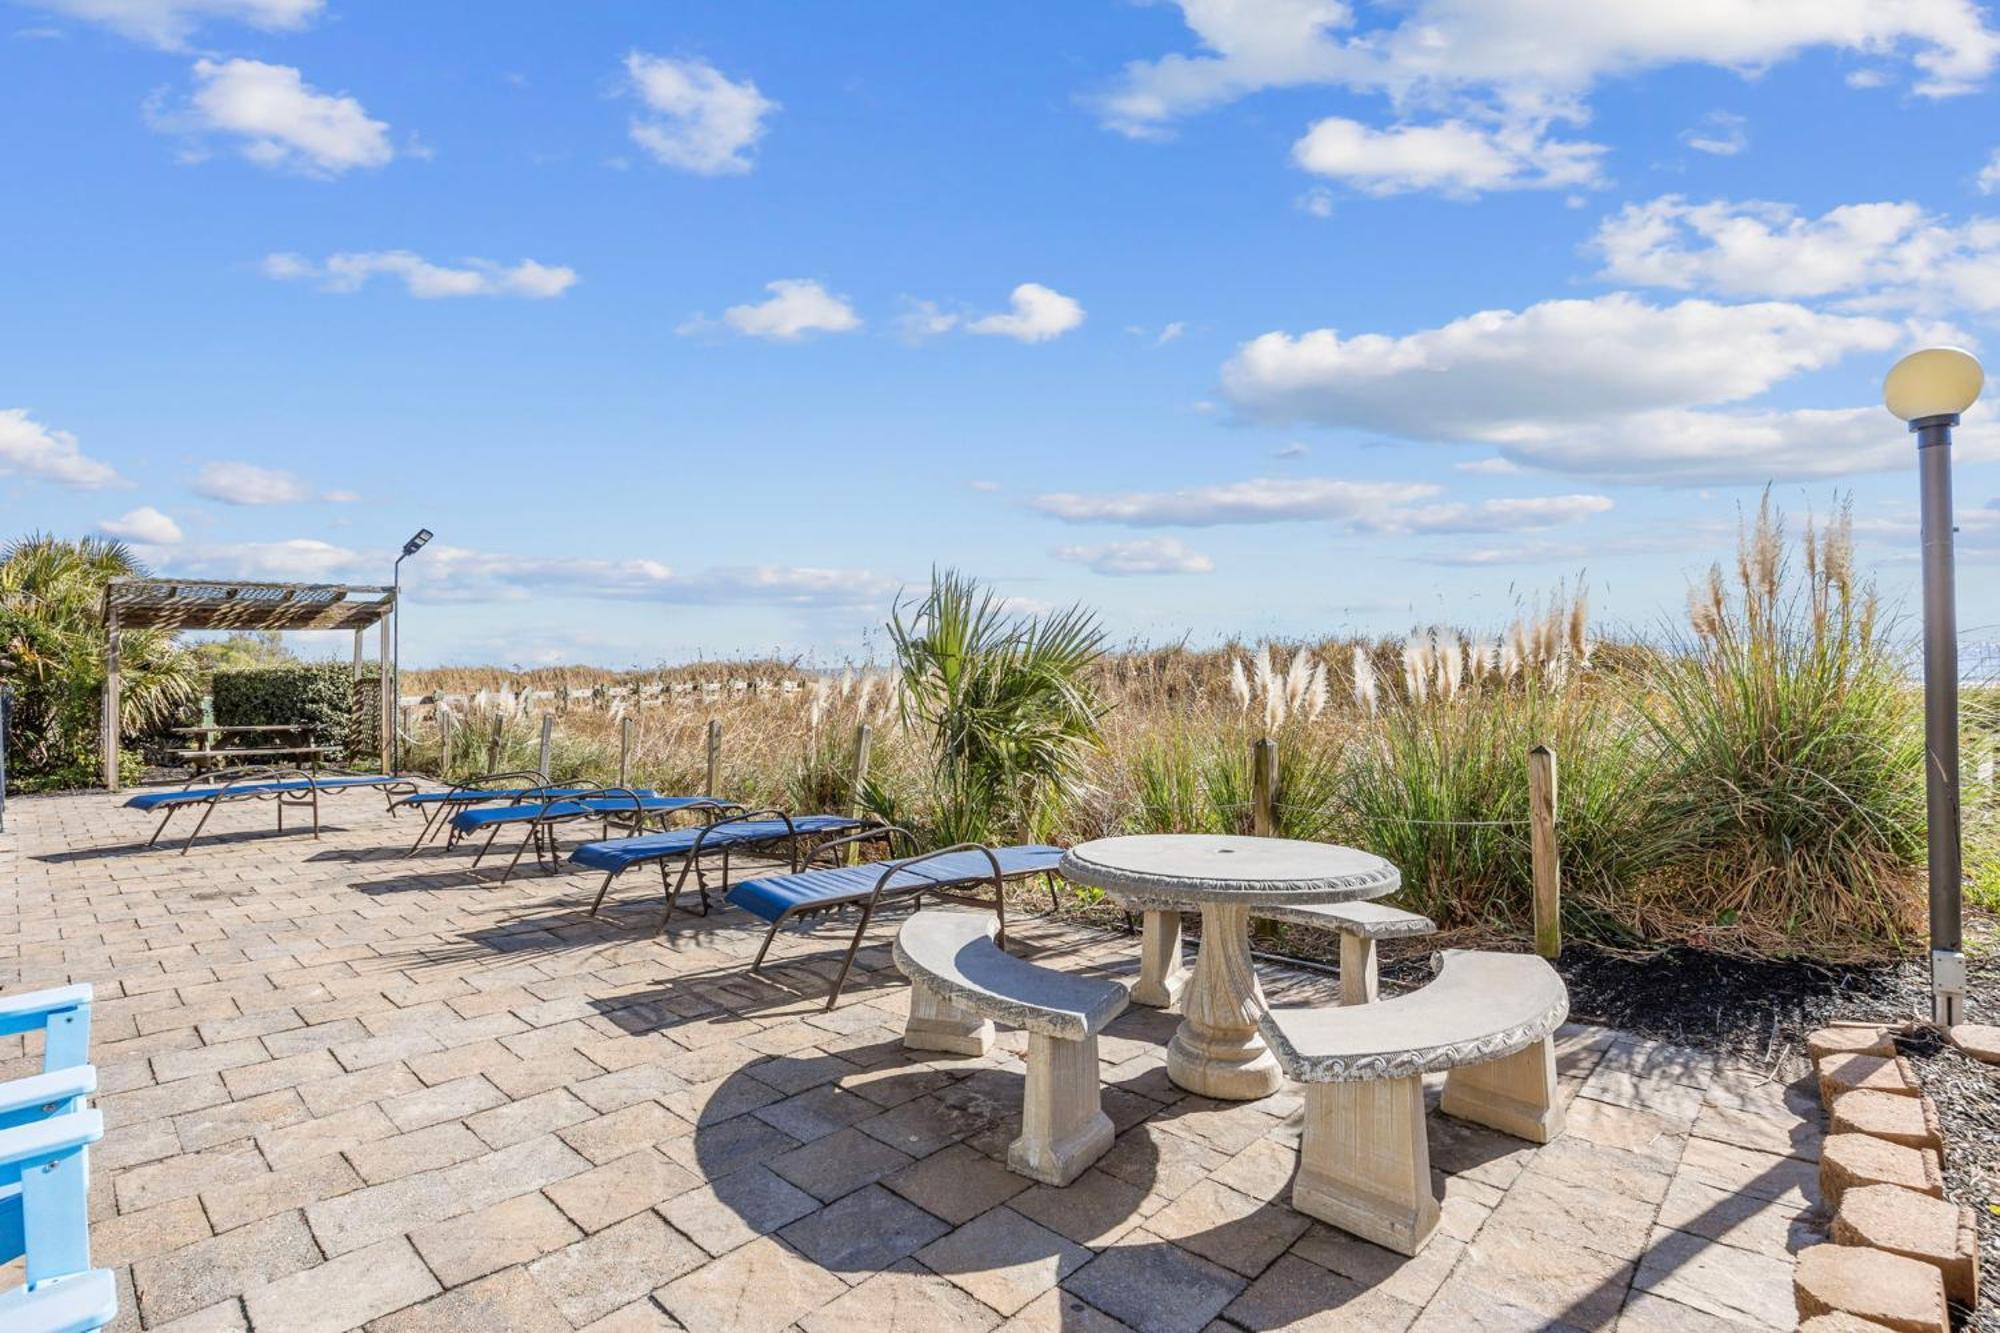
[
  {"x": 1008, "y": 705},
  {"x": 1791, "y": 796},
  {"x": 318, "y": 695},
  {"x": 52, "y": 653}
]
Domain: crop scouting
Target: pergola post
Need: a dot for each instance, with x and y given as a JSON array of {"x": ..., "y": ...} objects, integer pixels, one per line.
[
  {"x": 111, "y": 729},
  {"x": 388, "y": 683}
]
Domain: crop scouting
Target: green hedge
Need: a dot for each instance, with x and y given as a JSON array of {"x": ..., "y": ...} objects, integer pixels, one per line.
[{"x": 320, "y": 695}]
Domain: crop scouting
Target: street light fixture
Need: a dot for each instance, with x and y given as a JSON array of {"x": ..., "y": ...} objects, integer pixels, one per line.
[
  {"x": 1929, "y": 389},
  {"x": 410, "y": 548}
]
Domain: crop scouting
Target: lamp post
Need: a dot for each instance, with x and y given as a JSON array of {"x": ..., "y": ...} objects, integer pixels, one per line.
[
  {"x": 410, "y": 548},
  {"x": 1929, "y": 389}
]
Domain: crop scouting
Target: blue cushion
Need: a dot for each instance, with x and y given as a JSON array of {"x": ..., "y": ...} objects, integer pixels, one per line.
[
  {"x": 469, "y": 796},
  {"x": 775, "y": 897},
  {"x": 153, "y": 800},
  {"x": 619, "y": 853},
  {"x": 467, "y": 820}
]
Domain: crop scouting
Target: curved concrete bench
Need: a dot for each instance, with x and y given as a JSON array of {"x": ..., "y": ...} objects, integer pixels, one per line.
[
  {"x": 1364, "y": 1161},
  {"x": 961, "y": 983},
  {"x": 1163, "y": 974},
  {"x": 1360, "y": 925}
]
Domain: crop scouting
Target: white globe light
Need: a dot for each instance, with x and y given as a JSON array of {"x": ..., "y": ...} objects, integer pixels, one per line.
[{"x": 1936, "y": 382}]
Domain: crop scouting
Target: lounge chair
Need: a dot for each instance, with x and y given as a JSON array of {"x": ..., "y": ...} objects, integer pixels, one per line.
[
  {"x": 942, "y": 874},
  {"x": 748, "y": 831},
  {"x": 285, "y": 786},
  {"x": 487, "y": 788},
  {"x": 612, "y": 806}
]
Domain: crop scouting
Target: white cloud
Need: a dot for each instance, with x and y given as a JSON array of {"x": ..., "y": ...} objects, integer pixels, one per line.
[
  {"x": 420, "y": 277},
  {"x": 458, "y": 574},
  {"x": 984, "y": 486},
  {"x": 797, "y": 306},
  {"x": 1148, "y": 555},
  {"x": 249, "y": 484},
  {"x": 169, "y": 23},
  {"x": 1527, "y": 54},
  {"x": 1494, "y": 375},
  {"x": 144, "y": 524},
  {"x": 1474, "y": 86},
  {"x": 924, "y": 319},
  {"x": 1678, "y": 447},
  {"x": 1489, "y": 467},
  {"x": 1611, "y": 388},
  {"x": 1292, "y": 450},
  {"x": 1510, "y": 515},
  {"x": 1720, "y": 134},
  {"x": 281, "y": 121},
  {"x": 1316, "y": 202},
  {"x": 1988, "y": 179},
  {"x": 1037, "y": 314},
  {"x": 1454, "y": 157},
  {"x": 1263, "y": 500},
  {"x": 1368, "y": 506},
  {"x": 701, "y": 120},
  {"x": 1871, "y": 256},
  {"x": 30, "y": 449}
]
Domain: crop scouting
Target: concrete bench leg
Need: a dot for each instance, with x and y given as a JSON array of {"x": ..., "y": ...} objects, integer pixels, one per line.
[
  {"x": 1360, "y": 980},
  {"x": 1063, "y": 1125},
  {"x": 1365, "y": 1163},
  {"x": 1515, "y": 1094},
  {"x": 936, "y": 1024},
  {"x": 1162, "y": 974}
]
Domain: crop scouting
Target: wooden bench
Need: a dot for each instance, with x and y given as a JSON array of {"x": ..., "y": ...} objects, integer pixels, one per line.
[
  {"x": 1163, "y": 974},
  {"x": 1364, "y": 1160},
  {"x": 961, "y": 982}
]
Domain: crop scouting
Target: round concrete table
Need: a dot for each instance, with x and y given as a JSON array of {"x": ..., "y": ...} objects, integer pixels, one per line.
[{"x": 1217, "y": 1050}]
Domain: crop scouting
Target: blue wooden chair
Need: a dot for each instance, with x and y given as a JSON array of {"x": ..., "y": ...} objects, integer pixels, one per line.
[
  {"x": 46, "y": 1127},
  {"x": 45, "y": 1216}
]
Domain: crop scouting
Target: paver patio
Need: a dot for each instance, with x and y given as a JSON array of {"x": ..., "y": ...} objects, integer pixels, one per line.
[{"x": 344, "y": 1089}]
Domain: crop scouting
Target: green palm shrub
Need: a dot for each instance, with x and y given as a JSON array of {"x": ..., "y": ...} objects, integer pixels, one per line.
[
  {"x": 1007, "y": 705},
  {"x": 52, "y": 653}
]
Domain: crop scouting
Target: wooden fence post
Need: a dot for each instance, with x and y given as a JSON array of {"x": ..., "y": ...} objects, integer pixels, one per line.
[
  {"x": 864, "y": 741},
  {"x": 625, "y": 751},
  {"x": 1542, "y": 839},
  {"x": 493, "y": 743},
  {"x": 1264, "y": 788},
  {"x": 542, "y": 755},
  {"x": 714, "y": 757}
]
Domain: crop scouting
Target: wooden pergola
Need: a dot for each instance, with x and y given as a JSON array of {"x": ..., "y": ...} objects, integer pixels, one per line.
[{"x": 175, "y": 604}]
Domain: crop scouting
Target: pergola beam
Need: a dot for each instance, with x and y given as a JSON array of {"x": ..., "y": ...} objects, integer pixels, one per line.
[{"x": 237, "y": 604}]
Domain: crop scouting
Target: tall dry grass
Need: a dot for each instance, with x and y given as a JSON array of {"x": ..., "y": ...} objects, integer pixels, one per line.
[{"x": 1752, "y": 780}]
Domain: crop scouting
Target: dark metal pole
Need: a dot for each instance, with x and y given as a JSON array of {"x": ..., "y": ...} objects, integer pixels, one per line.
[
  {"x": 395, "y": 671},
  {"x": 1941, "y": 804}
]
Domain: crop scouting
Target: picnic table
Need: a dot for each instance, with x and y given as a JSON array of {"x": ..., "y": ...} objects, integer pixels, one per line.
[
  {"x": 1217, "y": 1051},
  {"x": 208, "y": 750}
]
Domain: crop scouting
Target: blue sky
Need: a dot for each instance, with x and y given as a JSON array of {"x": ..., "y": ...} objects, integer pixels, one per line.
[{"x": 700, "y": 329}]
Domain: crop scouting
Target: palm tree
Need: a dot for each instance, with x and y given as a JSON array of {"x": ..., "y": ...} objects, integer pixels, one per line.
[
  {"x": 52, "y": 653},
  {"x": 1008, "y": 702}
]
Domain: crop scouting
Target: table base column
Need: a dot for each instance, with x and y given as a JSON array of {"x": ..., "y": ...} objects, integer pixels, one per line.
[{"x": 1217, "y": 1050}]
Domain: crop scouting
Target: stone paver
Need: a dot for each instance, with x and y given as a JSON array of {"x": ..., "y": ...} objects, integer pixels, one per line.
[{"x": 348, "y": 1089}]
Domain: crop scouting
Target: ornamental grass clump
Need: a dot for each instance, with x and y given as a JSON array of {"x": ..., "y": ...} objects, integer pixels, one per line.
[
  {"x": 1438, "y": 784},
  {"x": 1790, "y": 810}
]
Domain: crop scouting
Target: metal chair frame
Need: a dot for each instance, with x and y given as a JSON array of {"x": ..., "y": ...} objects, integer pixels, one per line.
[
  {"x": 942, "y": 890},
  {"x": 460, "y": 795}
]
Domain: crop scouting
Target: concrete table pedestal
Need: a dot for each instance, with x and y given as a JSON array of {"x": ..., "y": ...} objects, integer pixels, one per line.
[{"x": 1217, "y": 1051}]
